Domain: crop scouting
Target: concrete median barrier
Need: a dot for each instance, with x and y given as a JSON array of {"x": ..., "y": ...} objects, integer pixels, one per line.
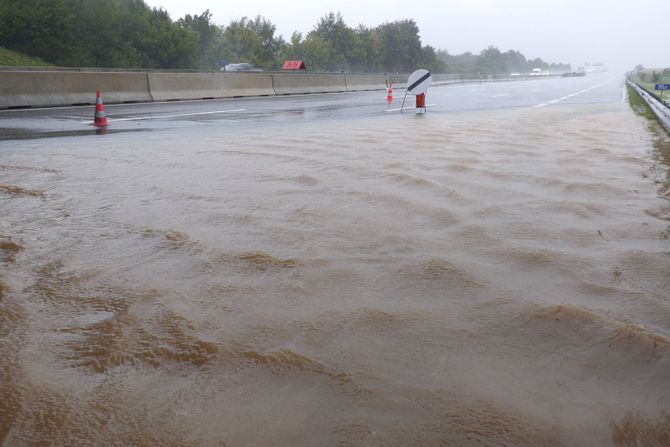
[
  {"x": 54, "y": 88},
  {"x": 361, "y": 82},
  {"x": 301, "y": 83},
  {"x": 49, "y": 88},
  {"x": 445, "y": 79},
  {"x": 182, "y": 86}
]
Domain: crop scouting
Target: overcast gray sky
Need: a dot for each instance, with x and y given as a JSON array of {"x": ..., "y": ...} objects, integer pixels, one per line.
[{"x": 619, "y": 33}]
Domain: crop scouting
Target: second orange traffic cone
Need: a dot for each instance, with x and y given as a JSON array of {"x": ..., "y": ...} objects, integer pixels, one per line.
[
  {"x": 100, "y": 119},
  {"x": 389, "y": 93}
]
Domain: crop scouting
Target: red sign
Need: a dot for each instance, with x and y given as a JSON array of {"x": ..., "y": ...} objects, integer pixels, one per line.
[{"x": 293, "y": 65}]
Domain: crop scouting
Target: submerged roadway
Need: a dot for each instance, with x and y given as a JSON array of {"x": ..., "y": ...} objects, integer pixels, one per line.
[{"x": 322, "y": 270}]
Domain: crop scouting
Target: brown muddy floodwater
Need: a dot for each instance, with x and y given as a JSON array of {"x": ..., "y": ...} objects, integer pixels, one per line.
[{"x": 495, "y": 278}]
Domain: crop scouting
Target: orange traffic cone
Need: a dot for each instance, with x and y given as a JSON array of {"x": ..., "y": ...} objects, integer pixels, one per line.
[
  {"x": 100, "y": 119},
  {"x": 389, "y": 93}
]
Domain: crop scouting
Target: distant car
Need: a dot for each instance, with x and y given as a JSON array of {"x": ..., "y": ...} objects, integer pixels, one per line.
[
  {"x": 515, "y": 75},
  {"x": 240, "y": 67},
  {"x": 536, "y": 72}
]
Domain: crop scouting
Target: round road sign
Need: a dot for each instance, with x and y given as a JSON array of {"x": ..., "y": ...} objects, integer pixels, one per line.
[{"x": 418, "y": 82}]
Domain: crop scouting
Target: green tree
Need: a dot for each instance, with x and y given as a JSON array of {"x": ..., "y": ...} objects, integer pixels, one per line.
[
  {"x": 515, "y": 62},
  {"x": 491, "y": 62},
  {"x": 46, "y": 29},
  {"x": 350, "y": 51},
  {"x": 320, "y": 55},
  {"x": 128, "y": 33},
  {"x": 292, "y": 50},
  {"x": 317, "y": 53},
  {"x": 96, "y": 33},
  {"x": 372, "y": 48},
  {"x": 401, "y": 45},
  {"x": 210, "y": 48},
  {"x": 252, "y": 41},
  {"x": 430, "y": 60},
  {"x": 461, "y": 63},
  {"x": 166, "y": 44},
  {"x": 267, "y": 54}
]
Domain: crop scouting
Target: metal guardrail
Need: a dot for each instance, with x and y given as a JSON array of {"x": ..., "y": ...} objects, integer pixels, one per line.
[{"x": 660, "y": 109}]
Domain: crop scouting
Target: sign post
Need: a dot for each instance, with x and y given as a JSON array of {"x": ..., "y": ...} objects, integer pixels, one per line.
[
  {"x": 293, "y": 65},
  {"x": 417, "y": 84}
]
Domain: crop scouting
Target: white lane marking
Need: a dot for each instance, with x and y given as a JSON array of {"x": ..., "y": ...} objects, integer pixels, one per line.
[
  {"x": 563, "y": 98},
  {"x": 408, "y": 108},
  {"x": 176, "y": 115},
  {"x": 623, "y": 92},
  {"x": 501, "y": 95}
]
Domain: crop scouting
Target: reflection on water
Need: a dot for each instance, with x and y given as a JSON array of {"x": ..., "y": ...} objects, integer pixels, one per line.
[{"x": 487, "y": 278}]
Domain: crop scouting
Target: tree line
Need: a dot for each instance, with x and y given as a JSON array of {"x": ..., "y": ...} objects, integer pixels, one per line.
[
  {"x": 130, "y": 34},
  {"x": 96, "y": 33},
  {"x": 493, "y": 61},
  {"x": 655, "y": 76}
]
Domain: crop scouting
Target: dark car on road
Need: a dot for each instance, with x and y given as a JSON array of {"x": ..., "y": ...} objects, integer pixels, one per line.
[{"x": 240, "y": 67}]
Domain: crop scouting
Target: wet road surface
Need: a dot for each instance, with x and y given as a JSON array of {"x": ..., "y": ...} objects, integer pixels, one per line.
[{"x": 252, "y": 112}]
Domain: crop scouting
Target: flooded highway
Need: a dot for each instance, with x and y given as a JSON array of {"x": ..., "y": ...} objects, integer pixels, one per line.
[{"x": 323, "y": 271}]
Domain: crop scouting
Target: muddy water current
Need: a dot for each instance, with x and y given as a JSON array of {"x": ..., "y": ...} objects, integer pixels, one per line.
[{"x": 491, "y": 278}]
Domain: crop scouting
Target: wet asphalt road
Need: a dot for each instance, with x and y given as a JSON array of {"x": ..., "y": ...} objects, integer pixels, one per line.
[{"x": 252, "y": 112}]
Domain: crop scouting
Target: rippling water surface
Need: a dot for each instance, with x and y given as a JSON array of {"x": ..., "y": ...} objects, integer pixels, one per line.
[{"x": 483, "y": 278}]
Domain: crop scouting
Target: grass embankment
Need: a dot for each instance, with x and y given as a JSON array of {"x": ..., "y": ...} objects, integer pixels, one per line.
[
  {"x": 661, "y": 142},
  {"x": 9, "y": 58}
]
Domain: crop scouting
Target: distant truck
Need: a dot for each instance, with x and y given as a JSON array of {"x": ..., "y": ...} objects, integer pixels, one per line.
[{"x": 536, "y": 72}]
